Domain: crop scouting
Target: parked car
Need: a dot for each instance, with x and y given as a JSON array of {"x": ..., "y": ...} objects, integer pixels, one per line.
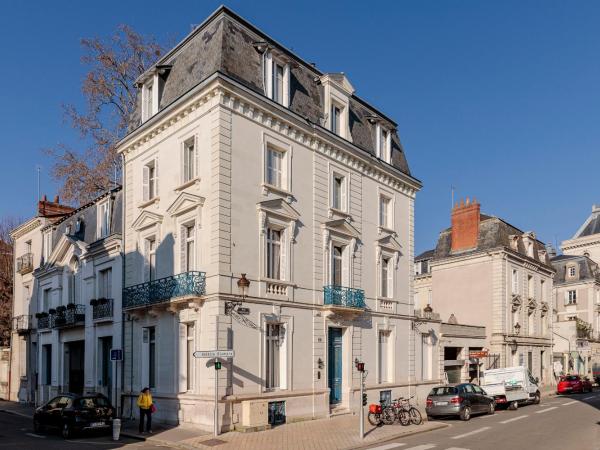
[
  {"x": 461, "y": 400},
  {"x": 72, "y": 413},
  {"x": 569, "y": 384},
  {"x": 511, "y": 386}
]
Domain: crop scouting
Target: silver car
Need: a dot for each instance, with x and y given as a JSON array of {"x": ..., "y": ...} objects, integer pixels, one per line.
[{"x": 463, "y": 400}]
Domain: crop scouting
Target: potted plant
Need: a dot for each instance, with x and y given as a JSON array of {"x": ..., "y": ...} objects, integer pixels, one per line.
[
  {"x": 61, "y": 309},
  {"x": 102, "y": 301},
  {"x": 39, "y": 315},
  {"x": 71, "y": 306},
  {"x": 52, "y": 311},
  {"x": 93, "y": 302}
]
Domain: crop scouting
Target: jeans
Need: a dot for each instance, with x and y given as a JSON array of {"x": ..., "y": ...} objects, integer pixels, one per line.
[{"x": 148, "y": 414}]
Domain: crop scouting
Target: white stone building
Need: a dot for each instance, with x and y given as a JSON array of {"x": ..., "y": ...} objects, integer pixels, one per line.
[{"x": 244, "y": 159}]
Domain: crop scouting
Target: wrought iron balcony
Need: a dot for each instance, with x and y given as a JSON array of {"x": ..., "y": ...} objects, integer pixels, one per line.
[
  {"x": 25, "y": 263},
  {"x": 22, "y": 324},
  {"x": 44, "y": 322},
  {"x": 102, "y": 308},
  {"x": 344, "y": 296},
  {"x": 70, "y": 316},
  {"x": 164, "y": 290}
]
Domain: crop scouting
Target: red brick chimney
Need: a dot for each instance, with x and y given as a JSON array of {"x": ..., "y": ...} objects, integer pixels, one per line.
[
  {"x": 53, "y": 210},
  {"x": 465, "y": 225}
]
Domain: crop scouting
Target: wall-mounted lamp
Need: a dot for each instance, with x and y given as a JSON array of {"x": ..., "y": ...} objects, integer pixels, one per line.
[{"x": 243, "y": 286}]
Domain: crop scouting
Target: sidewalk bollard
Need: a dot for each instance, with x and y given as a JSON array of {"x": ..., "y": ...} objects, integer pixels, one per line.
[{"x": 116, "y": 429}]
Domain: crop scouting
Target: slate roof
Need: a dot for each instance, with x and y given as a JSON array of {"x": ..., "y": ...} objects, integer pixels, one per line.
[
  {"x": 588, "y": 269},
  {"x": 591, "y": 225},
  {"x": 494, "y": 233},
  {"x": 427, "y": 254},
  {"x": 224, "y": 44}
]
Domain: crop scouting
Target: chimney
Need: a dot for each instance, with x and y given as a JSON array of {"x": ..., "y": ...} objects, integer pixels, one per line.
[
  {"x": 53, "y": 210},
  {"x": 465, "y": 225}
]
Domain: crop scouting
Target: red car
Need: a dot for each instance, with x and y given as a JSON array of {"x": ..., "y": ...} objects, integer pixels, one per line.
[{"x": 569, "y": 384}]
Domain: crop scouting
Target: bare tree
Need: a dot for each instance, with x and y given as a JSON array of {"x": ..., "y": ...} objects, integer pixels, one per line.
[
  {"x": 6, "y": 278},
  {"x": 110, "y": 93}
]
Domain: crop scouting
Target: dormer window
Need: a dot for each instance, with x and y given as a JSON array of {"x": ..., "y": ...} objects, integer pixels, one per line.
[
  {"x": 47, "y": 244},
  {"x": 103, "y": 219},
  {"x": 571, "y": 271},
  {"x": 336, "y": 119},
  {"x": 337, "y": 93},
  {"x": 147, "y": 101},
  {"x": 384, "y": 144},
  {"x": 277, "y": 79}
]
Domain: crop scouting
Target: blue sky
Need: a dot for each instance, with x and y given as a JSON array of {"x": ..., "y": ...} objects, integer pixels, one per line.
[{"x": 499, "y": 99}]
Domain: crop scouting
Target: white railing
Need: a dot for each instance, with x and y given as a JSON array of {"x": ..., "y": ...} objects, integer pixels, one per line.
[
  {"x": 386, "y": 305},
  {"x": 275, "y": 288}
]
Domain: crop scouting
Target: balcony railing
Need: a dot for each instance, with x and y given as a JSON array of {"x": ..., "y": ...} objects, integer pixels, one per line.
[
  {"x": 69, "y": 317},
  {"x": 102, "y": 308},
  {"x": 43, "y": 323},
  {"x": 164, "y": 289},
  {"x": 344, "y": 296},
  {"x": 22, "y": 324},
  {"x": 25, "y": 263}
]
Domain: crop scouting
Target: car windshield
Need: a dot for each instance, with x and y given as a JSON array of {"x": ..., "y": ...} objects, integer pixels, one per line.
[
  {"x": 92, "y": 402},
  {"x": 571, "y": 378},
  {"x": 443, "y": 390}
]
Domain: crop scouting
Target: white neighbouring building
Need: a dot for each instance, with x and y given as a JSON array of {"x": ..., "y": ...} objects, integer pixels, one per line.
[
  {"x": 67, "y": 309},
  {"x": 244, "y": 159}
]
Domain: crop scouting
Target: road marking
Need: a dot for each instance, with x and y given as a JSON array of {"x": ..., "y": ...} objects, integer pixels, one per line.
[
  {"x": 388, "y": 446},
  {"x": 514, "y": 418},
  {"x": 591, "y": 396},
  {"x": 456, "y": 448},
  {"x": 545, "y": 410},
  {"x": 570, "y": 403},
  {"x": 422, "y": 447},
  {"x": 480, "y": 430},
  {"x": 35, "y": 435}
]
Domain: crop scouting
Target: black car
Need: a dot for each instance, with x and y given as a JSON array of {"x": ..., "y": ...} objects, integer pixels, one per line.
[
  {"x": 461, "y": 400},
  {"x": 72, "y": 413}
]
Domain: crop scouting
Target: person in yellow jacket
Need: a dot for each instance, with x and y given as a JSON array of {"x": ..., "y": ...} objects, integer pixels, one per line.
[{"x": 144, "y": 402}]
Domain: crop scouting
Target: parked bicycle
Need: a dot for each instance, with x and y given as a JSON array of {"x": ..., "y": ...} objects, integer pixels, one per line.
[
  {"x": 405, "y": 412},
  {"x": 381, "y": 414}
]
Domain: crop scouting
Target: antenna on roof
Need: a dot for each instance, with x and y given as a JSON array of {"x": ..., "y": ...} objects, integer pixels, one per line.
[{"x": 38, "y": 168}]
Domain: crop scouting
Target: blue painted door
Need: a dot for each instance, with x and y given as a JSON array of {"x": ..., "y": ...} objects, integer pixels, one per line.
[{"x": 335, "y": 365}]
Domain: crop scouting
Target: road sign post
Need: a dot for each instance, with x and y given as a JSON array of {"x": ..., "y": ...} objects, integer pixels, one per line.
[{"x": 215, "y": 354}]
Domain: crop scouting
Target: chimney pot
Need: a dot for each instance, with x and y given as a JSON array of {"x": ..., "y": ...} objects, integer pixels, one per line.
[
  {"x": 45, "y": 197},
  {"x": 56, "y": 199},
  {"x": 465, "y": 226}
]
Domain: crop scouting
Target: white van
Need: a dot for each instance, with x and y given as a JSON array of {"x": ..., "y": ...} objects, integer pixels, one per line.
[{"x": 511, "y": 385}]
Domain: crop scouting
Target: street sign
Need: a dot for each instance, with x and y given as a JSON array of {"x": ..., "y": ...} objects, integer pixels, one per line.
[
  {"x": 478, "y": 354},
  {"x": 243, "y": 311},
  {"x": 116, "y": 354},
  {"x": 214, "y": 354}
]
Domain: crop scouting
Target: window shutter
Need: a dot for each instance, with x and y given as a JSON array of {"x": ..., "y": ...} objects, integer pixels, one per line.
[
  {"x": 196, "y": 158},
  {"x": 269, "y": 75},
  {"x": 286, "y": 86},
  {"x": 183, "y": 362},
  {"x": 285, "y": 239},
  {"x": 145, "y": 183},
  {"x": 346, "y": 267},
  {"x": 390, "y": 280},
  {"x": 146, "y": 274},
  {"x": 156, "y": 191},
  {"x": 184, "y": 161},
  {"x": 182, "y": 249}
]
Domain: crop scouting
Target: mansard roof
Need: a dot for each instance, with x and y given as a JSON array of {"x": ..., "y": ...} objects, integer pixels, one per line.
[
  {"x": 591, "y": 225},
  {"x": 225, "y": 44},
  {"x": 588, "y": 269}
]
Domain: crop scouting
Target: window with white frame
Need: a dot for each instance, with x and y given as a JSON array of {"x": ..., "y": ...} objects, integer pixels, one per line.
[
  {"x": 150, "y": 180},
  {"x": 46, "y": 299},
  {"x": 542, "y": 291},
  {"x": 572, "y": 271},
  {"x": 190, "y": 349},
  {"x": 338, "y": 192},
  {"x": 277, "y": 74},
  {"x": 189, "y": 160},
  {"x": 571, "y": 297},
  {"x": 273, "y": 343},
  {"x": 150, "y": 258},
  {"x": 188, "y": 237},
  {"x": 147, "y": 101},
  {"x": 530, "y": 286},
  {"x": 105, "y": 283},
  {"x": 384, "y": 144},
  {"x": 275, "y": 168},
  {"x": 274, "y": 253},
  {"x": 336, "y": 119},
  {"x": 338, "y": 265},
  {"x": 531, "y": 322},
  {"x": 386, "y": 277},
  {"x": 385, "y": 212},
  {"x": 103, "y": 219},
  {"x": 384, "y": 356},
  {"x": 515, "y": 281},
  {"x": 47, "y": 244}
]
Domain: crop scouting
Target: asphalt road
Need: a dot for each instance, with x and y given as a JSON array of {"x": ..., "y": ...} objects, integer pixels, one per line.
[
  {"x": 558, "y": 423},
  {"x": 16, "y": 432}
]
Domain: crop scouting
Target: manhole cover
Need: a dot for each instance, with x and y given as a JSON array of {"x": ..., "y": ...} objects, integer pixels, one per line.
[{"x": 212, "y": 442}]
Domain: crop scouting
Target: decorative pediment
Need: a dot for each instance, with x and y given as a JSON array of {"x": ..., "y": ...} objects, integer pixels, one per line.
[
  {"x": 278, "y": 207},
  {"x": 65, "y": 249},
  {"x": 531, "y": 304},
  {"x": 516, "y": 302},
  {"x": 544, "y": 308},
  {"x": 340, "y": 80},
  {"x": 389, "y": 242},
  {"x": 343, "y": 227},
  {"x": 146, "y": 219},
  {"x": 185, "y": 202}
]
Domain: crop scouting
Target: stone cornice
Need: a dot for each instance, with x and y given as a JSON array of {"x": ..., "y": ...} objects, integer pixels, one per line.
[
  {"x": 25, "y": 228},
  {"x": 585, "y": 241},
  {"x": 218, "y": 90}
]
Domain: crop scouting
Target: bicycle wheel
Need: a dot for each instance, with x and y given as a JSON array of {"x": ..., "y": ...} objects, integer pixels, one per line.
[
  {"x": 388, "y": 416},
  {"x": 374, "y": 419},
  {"x": 403, "y": 417},
  {"x": 415, "y": 416}
]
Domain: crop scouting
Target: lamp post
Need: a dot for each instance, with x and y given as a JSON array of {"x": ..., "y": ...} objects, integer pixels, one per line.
[
  {"x": 517, "y": 328},
  {"x": 243, "y": 286}
]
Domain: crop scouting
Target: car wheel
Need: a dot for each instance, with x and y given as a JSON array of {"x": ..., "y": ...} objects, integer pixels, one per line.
[
  {"x": 513, "y": 406},
  {"x": 492, "y": 408},
  {"x": 37, "y": 426},
  {"x": 537, "y": 398},
  {"x": 465, "y": 414},
  {"x": 66, "y": 431}
]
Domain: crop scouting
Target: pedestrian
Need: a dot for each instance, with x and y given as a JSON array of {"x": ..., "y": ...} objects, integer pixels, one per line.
[{"x": 144, "y": 402}]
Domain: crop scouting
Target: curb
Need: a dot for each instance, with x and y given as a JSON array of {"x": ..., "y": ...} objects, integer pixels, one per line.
[
  {"x": 15, "y": 413},
  {"x": 437, "y": 426}
]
